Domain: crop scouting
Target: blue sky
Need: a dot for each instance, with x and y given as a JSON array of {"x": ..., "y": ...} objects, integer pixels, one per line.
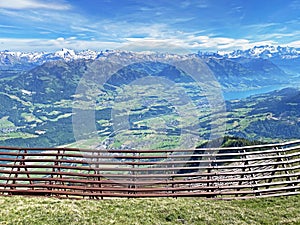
[{"x": 190, "y": 25}]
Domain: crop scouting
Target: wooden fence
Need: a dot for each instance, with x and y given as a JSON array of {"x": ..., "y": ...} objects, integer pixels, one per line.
[{"x": 221, "y": 173}]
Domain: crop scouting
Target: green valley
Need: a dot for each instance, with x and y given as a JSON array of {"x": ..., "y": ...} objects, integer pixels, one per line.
[{"x": 143, "y": 105}]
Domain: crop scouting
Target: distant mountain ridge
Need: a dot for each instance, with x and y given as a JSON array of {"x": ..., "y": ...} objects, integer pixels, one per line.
[
  {"x": 264, "y": 51},
  {"x": 238, "y": 72},
  {"x": 23, "y": 60},
  {"x": 241, "y": 69}
]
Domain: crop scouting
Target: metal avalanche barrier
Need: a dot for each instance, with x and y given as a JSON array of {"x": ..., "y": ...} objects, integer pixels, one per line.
[{"x": 219, "y": 173}]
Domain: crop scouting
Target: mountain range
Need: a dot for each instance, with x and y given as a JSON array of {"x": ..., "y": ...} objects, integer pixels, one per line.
[
  {"x": 266, "y": 52},
  {"x": 38, "y": 95},
  {"x": 9, "y": 59},
  {"x": 242, "y": 69}
]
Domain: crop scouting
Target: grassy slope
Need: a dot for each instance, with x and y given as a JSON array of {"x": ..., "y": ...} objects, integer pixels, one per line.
[{"x": 23, "y": 210}]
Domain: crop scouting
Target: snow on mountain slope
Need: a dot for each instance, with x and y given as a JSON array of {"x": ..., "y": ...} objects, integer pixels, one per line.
[
  {"x": 64, "y": 54},
  {"x": 266, "y": 51},
  {"x": 21, "y": 60}
]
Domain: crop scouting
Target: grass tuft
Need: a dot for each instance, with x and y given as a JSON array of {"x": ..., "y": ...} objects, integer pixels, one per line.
[{"x": 24, "y": 210}]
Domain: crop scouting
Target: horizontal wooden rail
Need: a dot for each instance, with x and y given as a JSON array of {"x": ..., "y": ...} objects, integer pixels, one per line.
[{"x": 220, "y": 173}]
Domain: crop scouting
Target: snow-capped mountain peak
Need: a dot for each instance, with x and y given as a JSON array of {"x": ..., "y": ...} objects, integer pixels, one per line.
[
  {"x": 9, "y": 59},
  {"x": 65, "y": 53},
  {"x": 21, "y": 60},
  {"x": 266, "y": 51}
]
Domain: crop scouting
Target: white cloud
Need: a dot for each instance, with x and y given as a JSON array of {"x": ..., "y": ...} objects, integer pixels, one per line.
[
  {"x": 197, "y": 4},
  {"x": 180, "y": 43},
  {"x": 156, "y": 45},
  {"x": 33, "y": 45},
  {"x": 7, "y": 26},
  {"x": 191, "y": 43},
  {"x": 33, "y": 4},
  {"x": 125, "y": 29},
  {"x": 49, "y": 22},
  {"x": 295, "y": 44},
  {"x": 295, "y": 4},
  {"x": 262, "y": 26}
]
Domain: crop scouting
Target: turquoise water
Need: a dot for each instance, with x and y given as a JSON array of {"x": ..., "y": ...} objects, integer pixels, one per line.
[{"x": 233, "y": 95}]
